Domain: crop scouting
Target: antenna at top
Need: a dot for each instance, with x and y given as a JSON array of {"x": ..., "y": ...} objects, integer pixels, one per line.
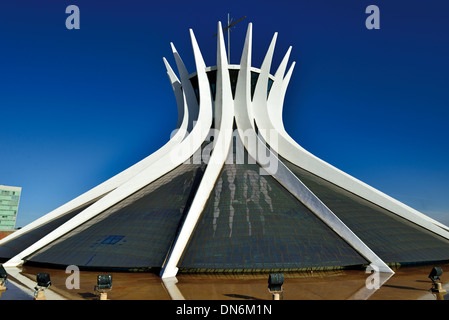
[{"x": 231, "y": 23}]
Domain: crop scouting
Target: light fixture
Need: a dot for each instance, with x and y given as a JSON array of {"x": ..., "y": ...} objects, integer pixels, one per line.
[
  {"x": 104, "y": 284},
  {"x": 43, "y": 282},
  {"x": 435, "y": 277},
  {"x": 3, "y": 277},
  {"x": 275, "y": 282}
]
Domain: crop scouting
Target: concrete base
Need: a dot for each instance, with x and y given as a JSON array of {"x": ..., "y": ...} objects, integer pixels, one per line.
[
  {"x": 40, "y": 295},
  {"x": 438, "y": 288},
  {"x": 276, "y": 294}
]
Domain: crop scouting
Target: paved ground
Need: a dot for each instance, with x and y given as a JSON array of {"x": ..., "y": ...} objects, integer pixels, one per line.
[{"x": 411, "y": 283}]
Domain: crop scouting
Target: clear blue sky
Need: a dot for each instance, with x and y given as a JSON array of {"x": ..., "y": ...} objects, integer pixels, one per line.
[{"x": 79, "y": 106}]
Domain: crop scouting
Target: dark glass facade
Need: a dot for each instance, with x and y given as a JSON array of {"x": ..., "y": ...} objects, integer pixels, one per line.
[
  {"x": 251, "y": 222},
  {"x": 393, "y": 238},
  {"x": 135, "y": 233},
  {"x": 233, "y": 76},
  {"x": 15, "y": 246}
]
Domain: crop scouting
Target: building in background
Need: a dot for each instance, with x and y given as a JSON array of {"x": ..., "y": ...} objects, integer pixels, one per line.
[{"x": 9, "y": 206}]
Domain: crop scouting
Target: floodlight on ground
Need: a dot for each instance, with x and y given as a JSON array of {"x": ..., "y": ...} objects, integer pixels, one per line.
[
  {"x": 104, "y": 284},
  {"x": 3, "y": 277},
  {"x": 43, "y": 282},
  {"x": 275, "y": 282},
  {"x": 434, "y": 275}
]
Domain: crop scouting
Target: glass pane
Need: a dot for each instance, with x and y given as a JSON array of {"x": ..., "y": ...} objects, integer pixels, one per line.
[
  {"x": 251, "y": 222},
  {"x": 254, "y": 78},
  {"x": 233, "y": 74},
  {"x": 135, "y": 233},
  {"x": 17, "y": 245},
  {"x": 392, "y": 238}
]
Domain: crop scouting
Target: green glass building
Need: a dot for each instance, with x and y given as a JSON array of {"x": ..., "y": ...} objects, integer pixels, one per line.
[{"x": 9, "y": 205}]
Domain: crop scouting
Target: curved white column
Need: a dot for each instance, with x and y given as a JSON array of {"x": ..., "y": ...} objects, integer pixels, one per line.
[
  {"x": 223, "y": 106},
  {"x": 178, "y": 155},
  {"x": 275, "y": 110},
  {"x": 194, "y": 128},
  {"x": 124, "y": 176},
  {"x": 289, "y": 149},
  {"x": 183, "y": 111},
  {"x": 187, "y": 88},
  {"x": 281, "y": 173}
]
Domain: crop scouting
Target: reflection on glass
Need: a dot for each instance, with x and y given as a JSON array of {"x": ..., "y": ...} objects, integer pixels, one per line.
[
  {"x": 233, "y": 76},
  {"x": 17, "y": 245},
  {"x": 251, "y": 222},
  {"x": 135, "y": 233},
  {"x": 392, "y": 238}
]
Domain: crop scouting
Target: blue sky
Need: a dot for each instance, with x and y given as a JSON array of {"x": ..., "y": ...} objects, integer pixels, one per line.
[{"x": 79, "y": 106}]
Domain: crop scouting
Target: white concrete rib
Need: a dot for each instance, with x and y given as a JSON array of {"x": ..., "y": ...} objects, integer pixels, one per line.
[
  {"x": 269, "y": 117},
  {"x": 184, "y": 121},
  {"x": 281, "y": 173},
  {"x": 224, "y": 106},
  {"x": 180, "y": 153},
  {"x": 194, "y": 124}
]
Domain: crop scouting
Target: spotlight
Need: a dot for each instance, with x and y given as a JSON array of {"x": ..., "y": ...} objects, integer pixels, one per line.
[
  {"x": 43, "y": 282},
  {"x": 3, "y": 276},
  {"x": 104, "y": 284},
  {"x": 435, "y": 277},
  {"x": 275, "y": 282},
  {"x": 435, "y": 274}
]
